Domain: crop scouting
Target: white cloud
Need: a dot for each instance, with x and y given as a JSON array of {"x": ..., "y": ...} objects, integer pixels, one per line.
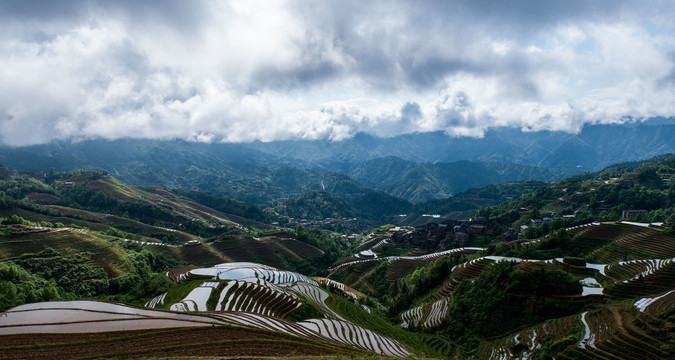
[{"x": 241, "y": 71}]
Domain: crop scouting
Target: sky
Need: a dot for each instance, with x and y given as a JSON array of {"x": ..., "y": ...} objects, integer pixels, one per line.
[{"x": 240, "y": 71}]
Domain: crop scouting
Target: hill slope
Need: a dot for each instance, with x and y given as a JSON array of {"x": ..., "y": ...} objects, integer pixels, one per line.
[{"x": 429, "y": 181}]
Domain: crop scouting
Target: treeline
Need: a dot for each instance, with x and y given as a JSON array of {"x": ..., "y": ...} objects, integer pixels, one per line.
[{"x": 558, "y": 244}]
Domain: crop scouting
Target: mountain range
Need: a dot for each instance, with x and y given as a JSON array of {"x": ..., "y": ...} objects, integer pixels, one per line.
[
  {"x": 583, "y": 285},
  {"x": 414, "y": 168},
  {"x": 593, "y": 148}
]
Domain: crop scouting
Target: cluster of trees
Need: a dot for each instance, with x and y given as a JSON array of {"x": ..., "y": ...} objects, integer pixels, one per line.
[
  {"x": 51, "y": 275},
  {"x": 18, "y": 286},
  {"x": 334, "y": 247},
  {"x": 506, "y": 297},
  {"x": 401, "y": 294},
  {"x": 19, "y": 187},
  {"x": 18, "y": 220}
]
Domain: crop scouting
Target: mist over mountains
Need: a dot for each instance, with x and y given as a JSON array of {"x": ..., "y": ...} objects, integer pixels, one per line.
[
  {"x": 416, "y": 168},
  {"x": 594, "y": 148}
]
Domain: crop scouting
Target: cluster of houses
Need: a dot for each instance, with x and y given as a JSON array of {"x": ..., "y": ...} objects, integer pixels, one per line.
[
  {"x": 326, "y": 224},
  {"x": 626, "y": 214},
  {"x": 449, "y": 234}
]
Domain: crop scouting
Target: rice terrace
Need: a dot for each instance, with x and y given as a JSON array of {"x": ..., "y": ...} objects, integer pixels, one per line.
[
  {"x": 78, "y": 284},
  {"x": 319, "y": 180}
]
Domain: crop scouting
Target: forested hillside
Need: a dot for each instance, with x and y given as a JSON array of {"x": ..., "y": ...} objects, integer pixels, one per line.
[
  {"x": 418, "y": 183},
  {"x": 580, "y": 281},
  {"x": 604, "y": 196}
]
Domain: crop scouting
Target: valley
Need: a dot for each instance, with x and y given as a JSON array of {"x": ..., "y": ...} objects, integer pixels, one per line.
[{"x": 581, "y": 268}]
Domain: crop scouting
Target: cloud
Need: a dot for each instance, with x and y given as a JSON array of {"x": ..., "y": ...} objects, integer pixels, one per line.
[{"x": 244, "y": 71}]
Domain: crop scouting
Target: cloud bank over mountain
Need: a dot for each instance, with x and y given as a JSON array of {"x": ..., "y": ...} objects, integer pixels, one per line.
[{"x": 256, "y": 70}]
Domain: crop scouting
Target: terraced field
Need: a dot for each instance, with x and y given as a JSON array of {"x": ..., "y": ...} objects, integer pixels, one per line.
[
  {"x": 411, "y": 258},
  {"x": 633, "y": 278},
  {"x": 68, "y": 241},
  {"x": 98, "y": 330},
  {"x": 432, "y": 345},
  {"x": 634, "y": 269},
  {"x": 96, "y": 317},
  {"x": 652, "y": 280},
  {"x": 346, "y": 290},
  {"x": 247, "y": 270},
  {"x": 400, "y": 268},
  {"x": 356, "y": 274},
  {"x": 427, "y": 315},
  {"x": 37, "y": 217},
  {"x": 527, "y": 341},
  {"x": 317, "y": 296},
  {"x": 252, "y": 288},
  {"x": 199, "y": 255},
  {"x": 624, "y": 242},
  {"x": 611, "y": 332},
  {"x": 247, "y": 287},
  {"x": 433, "y": 312},
  {"x": 348, "y": 333},
  {"x": 270, "y": 250},
  {"x": 260, "y": 295}
]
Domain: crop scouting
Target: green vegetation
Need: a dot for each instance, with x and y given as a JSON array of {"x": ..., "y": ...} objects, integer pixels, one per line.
[
  {"x": 225, "y": 205},
  {"x": 430, "y": 344},
  {"x": 52, "y": 275},
  {"x": 404, "y": 291},
  {"x": 85, "y": 235},
  {"x": 593, "y": 197},
  {"x": 506, "y": 297},
  {"x": 467, "y": 203},
  {"x": 18, "y": 286},
  {"x": 306, "y": 311},
  {"x": 333, "y": 246}
]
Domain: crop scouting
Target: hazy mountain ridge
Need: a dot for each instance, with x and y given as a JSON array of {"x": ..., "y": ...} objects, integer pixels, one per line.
[
  {"x": 248, "y": 175},
  {"x": 417, "y": 167},
  {"x": 593, "y": 148},
  {"x": 429, "y": 181},
  {"x": 228, "y": 169}
]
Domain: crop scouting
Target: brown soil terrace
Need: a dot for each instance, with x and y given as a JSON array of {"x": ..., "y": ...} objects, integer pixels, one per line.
[{"x": 217, "y": 341}]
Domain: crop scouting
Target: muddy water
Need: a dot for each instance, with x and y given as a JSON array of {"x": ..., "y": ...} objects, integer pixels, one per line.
[
  {"x": 91, "y": 316},
  {"x": 103, "y": 326},
  {"x": 58, "y": 316}
]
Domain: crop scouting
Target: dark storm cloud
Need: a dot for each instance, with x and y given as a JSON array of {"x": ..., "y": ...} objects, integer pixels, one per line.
[
  {"x": 175, "y": 12},
  {"x": 258, "y": 70},
  {"x": 33, "y": 10},
  {"x": 411, "y": 112}
]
